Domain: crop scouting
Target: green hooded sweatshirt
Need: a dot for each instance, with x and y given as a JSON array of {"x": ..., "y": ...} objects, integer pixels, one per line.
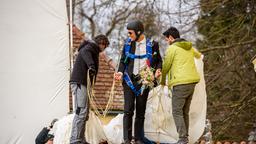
[{"x": 179, "y": 64}]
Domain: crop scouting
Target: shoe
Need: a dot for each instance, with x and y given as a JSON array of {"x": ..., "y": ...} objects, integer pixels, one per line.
[
  {"x": 126, "y": 142},
  {"x": 182, "y": 141}
]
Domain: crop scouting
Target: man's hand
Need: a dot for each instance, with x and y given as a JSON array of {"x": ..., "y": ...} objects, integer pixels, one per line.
[
  {"x": 202, "y": 56},
  {"x": 158, "y": 73},
  {"x": 49, "y": 128},
  {"x": 92, "y": 72},
  {"x": 118, "y": 76}
]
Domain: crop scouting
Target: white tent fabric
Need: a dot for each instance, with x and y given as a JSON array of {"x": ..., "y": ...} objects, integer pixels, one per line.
[
  {"x": 159, "y": 123},
  {"x": 34, "y": 60}
]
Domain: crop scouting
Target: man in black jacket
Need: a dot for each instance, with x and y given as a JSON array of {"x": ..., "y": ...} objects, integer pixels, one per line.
[
  {"x": 87, "y": 62},
  {"x": 137, "y": 51}
]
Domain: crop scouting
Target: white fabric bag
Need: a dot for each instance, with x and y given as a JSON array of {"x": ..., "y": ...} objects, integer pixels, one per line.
[
  {"x": 94, "y": 130},
  {"x": 159, "y": 122}
]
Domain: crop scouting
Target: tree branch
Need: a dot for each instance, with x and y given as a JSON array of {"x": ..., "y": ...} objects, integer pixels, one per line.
[{"x": 228, "y": 46}]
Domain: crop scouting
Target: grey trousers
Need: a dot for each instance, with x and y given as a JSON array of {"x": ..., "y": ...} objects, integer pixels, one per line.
[
  {"x": 79, "y": 91},
  {"x": 181, "y": 100}
]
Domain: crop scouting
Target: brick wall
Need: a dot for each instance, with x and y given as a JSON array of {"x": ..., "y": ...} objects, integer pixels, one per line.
[{"x": 103, "y": 86}]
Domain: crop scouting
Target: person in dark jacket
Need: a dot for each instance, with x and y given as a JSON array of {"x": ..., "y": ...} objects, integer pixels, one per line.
[
  {"x": 87, "y": 62},
  {"x": 145, "y": 50},
  {"x": 44, "y": 136}
]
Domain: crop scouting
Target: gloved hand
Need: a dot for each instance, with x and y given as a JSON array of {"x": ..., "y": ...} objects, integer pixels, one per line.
[{"x": 92, "y": 72}]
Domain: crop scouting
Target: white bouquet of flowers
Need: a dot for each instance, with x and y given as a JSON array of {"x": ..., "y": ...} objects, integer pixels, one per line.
[{"x": 147, "y": 77}]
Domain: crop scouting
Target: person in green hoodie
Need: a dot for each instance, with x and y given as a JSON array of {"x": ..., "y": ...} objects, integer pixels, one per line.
[{"x": 182, "y": 74}]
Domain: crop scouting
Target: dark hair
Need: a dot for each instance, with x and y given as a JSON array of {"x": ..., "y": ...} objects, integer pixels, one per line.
[
  {"x": 48, "y": 137},
  {"x": 101, "y": 39},
  {"x": 136, "y": 25},
  {"x": 172, "y": 31}
]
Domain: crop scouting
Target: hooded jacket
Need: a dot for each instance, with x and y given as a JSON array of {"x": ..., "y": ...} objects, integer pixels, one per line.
[
  {"x": 179, "y": 64},
  {"x": 87, "y": 58}
]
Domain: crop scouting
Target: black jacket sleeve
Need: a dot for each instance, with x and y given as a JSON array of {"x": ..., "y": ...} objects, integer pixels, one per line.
[
  {"x": 121, "y": 67},
  {"x": 157, "y": 56},
  {"x": 42, "y": 136}
]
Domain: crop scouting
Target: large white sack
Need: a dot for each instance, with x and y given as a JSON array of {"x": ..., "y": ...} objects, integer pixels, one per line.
[
  {"x": 159, "y": 123},
  {"x": 114, "y": 130},
  {"x": 94, "y": 130}
]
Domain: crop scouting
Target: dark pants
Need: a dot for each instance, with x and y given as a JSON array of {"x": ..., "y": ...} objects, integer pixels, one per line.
[
  {"x": 140, "y": 107},
  {"x": 181, "y": 100}
]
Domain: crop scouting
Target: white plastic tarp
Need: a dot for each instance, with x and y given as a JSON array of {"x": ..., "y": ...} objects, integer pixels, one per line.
[{"x": 34, "y": 63}]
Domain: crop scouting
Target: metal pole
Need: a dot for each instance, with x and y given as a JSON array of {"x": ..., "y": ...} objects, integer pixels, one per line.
[{"x": 71, "y": 104}]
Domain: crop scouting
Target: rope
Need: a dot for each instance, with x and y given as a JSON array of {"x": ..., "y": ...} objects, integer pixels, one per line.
[
  {"x": 111, "y": 98},
  {"x": 112, "y": 91},
  {"x": 160, "y": 109},
  {"x": 91, "y": 95}
]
